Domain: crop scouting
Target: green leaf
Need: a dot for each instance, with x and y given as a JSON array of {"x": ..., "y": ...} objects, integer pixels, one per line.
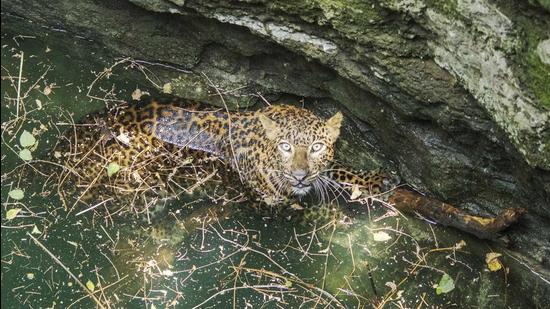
[
  {"x": 90, "y": 285},
  {"x": 16, "y": 194},
  {"x": 112, "y": 169},
  {"x": 12, "y": 213},
  {"x": 26, "y": 139},
  {"x": 25, "y": 154},
  {"x": 446, "y": 284}
]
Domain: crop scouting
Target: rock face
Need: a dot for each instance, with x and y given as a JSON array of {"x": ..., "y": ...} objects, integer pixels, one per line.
[{"x": 456, "y": 93}]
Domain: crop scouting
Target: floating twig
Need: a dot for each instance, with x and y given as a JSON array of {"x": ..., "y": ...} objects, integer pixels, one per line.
[{"x": 75, "y": 278}]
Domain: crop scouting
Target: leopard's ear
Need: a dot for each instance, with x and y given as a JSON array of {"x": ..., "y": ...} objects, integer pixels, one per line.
[
  {"x": 269, "y": 125},
  {"x": 334, "y": 124}
]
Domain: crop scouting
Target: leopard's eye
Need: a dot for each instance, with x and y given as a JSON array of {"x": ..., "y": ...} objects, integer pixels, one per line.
[
  {"x": 316, "y": 147},
  {"x": 284, "y": 146}
]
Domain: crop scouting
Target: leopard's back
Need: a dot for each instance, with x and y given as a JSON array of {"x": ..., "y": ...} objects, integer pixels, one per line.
[{"x": 121, "y": 154}]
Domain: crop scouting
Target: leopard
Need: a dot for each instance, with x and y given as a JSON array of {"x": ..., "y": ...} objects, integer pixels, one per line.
[{"x": 148, "y": 149}]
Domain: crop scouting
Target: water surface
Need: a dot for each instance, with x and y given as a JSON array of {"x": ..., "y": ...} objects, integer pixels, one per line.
[{"x": 202, "y": 253}]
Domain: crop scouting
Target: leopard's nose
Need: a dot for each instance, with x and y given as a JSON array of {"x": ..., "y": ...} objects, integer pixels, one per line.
[{"x": 300, "y": 174}]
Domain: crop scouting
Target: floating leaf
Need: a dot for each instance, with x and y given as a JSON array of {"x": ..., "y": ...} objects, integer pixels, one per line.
[
  {"x": 355, "y": 193},
  {"x": 492, "y": 261},
  {"x": 167, "y": 88},
  {"x": 391, "y": 285},
  {"x": 381, "y": 236},
  {"x": 35, "y": 230},
  {"x": 288, "y": 283},
  {"x": 16, "y": 194},
  {"x": 136, "y": 95},
  {"x": 494, "y": 265},
  {"x": 25, "y": 154},
  {"x": 12, "y": 213},
  {"x": 90, "y": 285},
  {"x": 446, "y": 284},
  {"x": 112, "y": 169},
  {"x": 48, "y": 90},
  {"x": 30, "y": 276},
  {"x": 26, "y": 139},
  {"x": 123, "y": 138}
]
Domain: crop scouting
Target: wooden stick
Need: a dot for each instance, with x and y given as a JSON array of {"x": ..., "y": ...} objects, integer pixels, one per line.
[
  {"x": 19, "y": 84},
  {"x": 75, "y": 278}
]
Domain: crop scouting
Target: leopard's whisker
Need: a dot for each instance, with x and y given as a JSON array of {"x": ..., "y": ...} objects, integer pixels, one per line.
[
  {"x": 280, "y": 185},
  {"x": 335, "y": 187},
  {"x": 319, "y": 192},
  {"x": 312, "y": 176},
  {"x": 327, "y": 188},
  {"x": 279, "y": 178},
  {"x": 277, "y": 183},
  {"x": 324, "y": 191},
  {"x": 317, "y": 187}
]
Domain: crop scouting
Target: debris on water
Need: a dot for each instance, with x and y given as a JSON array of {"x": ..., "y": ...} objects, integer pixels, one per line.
[
  {"x": 27, "y": 139},
  {"x": 90, "y": 285},
  {"x": 445, "y": 285},
  {"x": 35, "y": 230},
  {"x": 167, "y": 88},
  {"x": 12, "y": 213},
  {"x": 16, "y": 194},
  {"x": 25, "y": 154},
  {"x": 492, "y": 261},
  {"x": 112, "y": 168},
  {"x": 381, "y": 236}
]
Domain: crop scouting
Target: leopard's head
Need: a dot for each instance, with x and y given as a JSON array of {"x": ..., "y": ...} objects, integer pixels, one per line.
[{"x": 300, "y": 146}]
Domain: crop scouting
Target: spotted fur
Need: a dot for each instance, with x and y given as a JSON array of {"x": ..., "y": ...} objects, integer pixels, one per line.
[
  {"x": 152, "y": 140},
  {"x": 278, "y": 152}
]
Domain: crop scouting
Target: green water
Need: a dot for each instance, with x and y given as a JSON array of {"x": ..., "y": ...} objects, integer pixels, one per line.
[{"x": 202, "y": 254}]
